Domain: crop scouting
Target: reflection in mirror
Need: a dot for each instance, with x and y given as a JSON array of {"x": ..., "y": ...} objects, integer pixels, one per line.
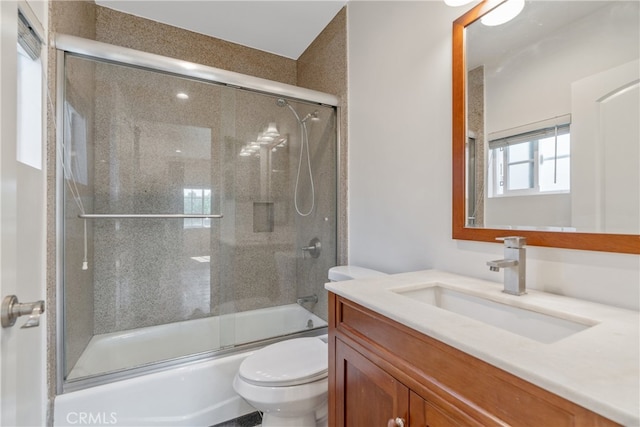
[
  {"x": 550, "y": 103},
  {"x": 529, "y": 81}
]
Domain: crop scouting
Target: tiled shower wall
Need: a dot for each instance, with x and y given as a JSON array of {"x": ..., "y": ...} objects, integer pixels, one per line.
[
  {"x": 475, "y": 98},
  {"x": 322, "y": 67},
  {"x": 145, "y": 271}
]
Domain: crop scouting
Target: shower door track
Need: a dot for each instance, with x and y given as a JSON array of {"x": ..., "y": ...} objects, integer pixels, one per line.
[
  {"x": 154, "y": 367},
  {"x": 132, "y": 57}
]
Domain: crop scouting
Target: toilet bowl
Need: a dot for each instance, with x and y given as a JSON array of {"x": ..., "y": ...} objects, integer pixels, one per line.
[{"x": 288, "y": 380}]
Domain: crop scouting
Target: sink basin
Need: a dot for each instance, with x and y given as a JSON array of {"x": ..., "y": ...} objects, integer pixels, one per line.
[{"x": 541, "y": 327}]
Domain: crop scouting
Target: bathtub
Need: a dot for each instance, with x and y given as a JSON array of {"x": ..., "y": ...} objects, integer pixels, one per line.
[{"x": 197, "y": 393}]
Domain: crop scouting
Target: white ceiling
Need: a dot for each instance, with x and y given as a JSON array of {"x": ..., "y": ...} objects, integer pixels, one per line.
[
  {"x": 537, "y": 21},
  {"x": 285, "y": 28}
]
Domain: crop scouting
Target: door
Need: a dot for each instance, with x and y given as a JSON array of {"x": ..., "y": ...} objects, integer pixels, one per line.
[
  {"x": 366, "y": 395},
  {"x": 604, "y": 136},
  {"x": 22, "y": 231}
]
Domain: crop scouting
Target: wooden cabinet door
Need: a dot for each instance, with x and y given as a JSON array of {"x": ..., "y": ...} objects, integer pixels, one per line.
[
  {"x": 426, "y": 414},
  {"x": 366, "y": 395}
]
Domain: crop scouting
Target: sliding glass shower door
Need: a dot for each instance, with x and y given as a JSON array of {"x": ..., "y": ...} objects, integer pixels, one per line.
[{"x": 180, "y": 231}]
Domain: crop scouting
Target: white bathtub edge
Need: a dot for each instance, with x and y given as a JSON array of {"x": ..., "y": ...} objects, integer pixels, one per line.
[{"x": 200, "y": 394}]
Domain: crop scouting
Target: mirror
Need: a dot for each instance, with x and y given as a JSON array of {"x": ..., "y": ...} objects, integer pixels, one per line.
[{"x": 546, "y": 139}]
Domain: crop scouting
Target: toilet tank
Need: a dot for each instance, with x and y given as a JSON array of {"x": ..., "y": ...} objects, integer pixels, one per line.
[{"x": 350, "y": 272}]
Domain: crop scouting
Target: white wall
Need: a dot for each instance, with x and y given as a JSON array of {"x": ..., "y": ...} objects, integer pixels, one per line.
[
  {"x": 400, "y": 161},
  {"x": 537, "y": 85},
  {"x": 525, "y": 211},
  {"x": 23, "y": 391}
]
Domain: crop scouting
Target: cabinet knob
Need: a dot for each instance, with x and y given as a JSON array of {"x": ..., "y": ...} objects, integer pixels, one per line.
[{"x": 395, "y": 422}]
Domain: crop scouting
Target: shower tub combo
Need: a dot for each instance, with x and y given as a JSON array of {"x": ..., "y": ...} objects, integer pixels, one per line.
[
  {"x": 187, "y": 394},
  {"x": 197, "y": 210}
]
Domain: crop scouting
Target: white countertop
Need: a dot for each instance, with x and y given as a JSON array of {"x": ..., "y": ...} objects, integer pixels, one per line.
[{"x": 597, "y": 368}]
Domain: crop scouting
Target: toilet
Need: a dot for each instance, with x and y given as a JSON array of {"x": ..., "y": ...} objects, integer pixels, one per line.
[{"x": 288, "y": 381}]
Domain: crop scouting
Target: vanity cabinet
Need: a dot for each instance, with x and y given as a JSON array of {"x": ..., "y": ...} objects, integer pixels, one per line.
[
  {"x": 380, "y": 370},
  {"x": 368, "y": 395}
]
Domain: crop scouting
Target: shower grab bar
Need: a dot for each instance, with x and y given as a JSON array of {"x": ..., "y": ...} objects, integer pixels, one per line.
[{"x": 143, "y": 216}]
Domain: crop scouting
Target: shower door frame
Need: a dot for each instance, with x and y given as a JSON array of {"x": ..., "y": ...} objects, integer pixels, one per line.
[
  {"x": 126, "y": 56},
  {"x": 96, "y": 50}
]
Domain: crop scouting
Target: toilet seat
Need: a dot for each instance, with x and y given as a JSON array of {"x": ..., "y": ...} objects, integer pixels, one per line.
[{"x": 286, "y": 363}]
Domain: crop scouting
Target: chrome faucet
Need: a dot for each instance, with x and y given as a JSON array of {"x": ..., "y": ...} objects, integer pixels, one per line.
[
  {"x": 313, "y": 249},
  {"x": 309, "y": 298},
  {"x": 514, "y": 263}
]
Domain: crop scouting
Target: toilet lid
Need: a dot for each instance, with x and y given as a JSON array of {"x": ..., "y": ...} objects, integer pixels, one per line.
[{"x": 290, "y": 362}]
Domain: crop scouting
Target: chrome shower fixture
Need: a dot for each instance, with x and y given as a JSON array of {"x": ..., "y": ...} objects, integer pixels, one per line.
[
  {"x": 304, "y": 144},
  {"x": 313, "y": 116}
]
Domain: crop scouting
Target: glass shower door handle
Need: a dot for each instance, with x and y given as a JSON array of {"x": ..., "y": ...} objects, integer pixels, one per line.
[{"x": 12, "y": 309}]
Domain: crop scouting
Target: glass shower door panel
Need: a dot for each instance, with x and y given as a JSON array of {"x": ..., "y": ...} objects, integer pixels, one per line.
[
  {"x": 261, "y": 236},
  {"x": 138, "y": 291}
]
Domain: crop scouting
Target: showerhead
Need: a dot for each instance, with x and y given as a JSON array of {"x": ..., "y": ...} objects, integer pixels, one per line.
[
  {"x": 313, "y": 116},
  {"x": 281, "y": 102}
]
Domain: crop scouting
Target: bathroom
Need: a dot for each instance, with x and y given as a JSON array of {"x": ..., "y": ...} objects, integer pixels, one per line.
[{"x": 395, "y": 186}]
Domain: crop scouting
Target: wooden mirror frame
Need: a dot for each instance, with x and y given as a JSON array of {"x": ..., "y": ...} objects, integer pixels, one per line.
[{"x": 621, "y": 243}]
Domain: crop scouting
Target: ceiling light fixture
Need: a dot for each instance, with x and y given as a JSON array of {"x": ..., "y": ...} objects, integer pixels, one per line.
[
  {"x": 271, "y": 130},
  {"x": 269, "y": 134},
  {"x": 503, "y": 13},
  {"x": 264, "y": 139},
  {"x": 182, "y": 95}
]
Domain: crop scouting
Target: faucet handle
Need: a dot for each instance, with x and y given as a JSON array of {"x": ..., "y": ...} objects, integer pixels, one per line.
[{"x": 513, "y": 241}]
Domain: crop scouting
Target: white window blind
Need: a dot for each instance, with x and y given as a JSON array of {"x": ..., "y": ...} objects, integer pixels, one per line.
[
  {"x": 555, "y": 126},
  {"x": 28, "y": 38},
  {"x": 537, "y": 134},
  {"x": 29, "y": 84}
]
